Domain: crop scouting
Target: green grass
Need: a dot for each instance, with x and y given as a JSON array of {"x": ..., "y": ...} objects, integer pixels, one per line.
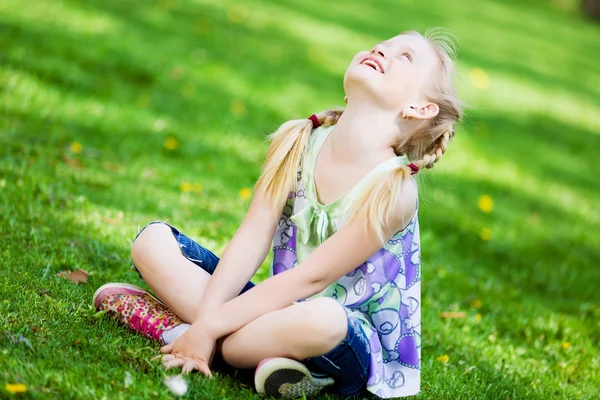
[{"x": 121, "y": 77}]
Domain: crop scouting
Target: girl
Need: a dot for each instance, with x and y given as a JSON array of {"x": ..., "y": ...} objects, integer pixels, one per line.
[{"x": 341, "y": 310}]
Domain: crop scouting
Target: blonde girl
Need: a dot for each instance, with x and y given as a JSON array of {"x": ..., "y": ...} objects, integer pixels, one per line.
[{"x": 336, "y": 198}]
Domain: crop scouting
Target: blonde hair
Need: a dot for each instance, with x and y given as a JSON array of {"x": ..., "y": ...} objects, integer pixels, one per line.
[{"x": 424, "y": 147}]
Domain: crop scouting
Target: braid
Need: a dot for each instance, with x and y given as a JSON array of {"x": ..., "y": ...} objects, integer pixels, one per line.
[{"x": 439, "y": 148}]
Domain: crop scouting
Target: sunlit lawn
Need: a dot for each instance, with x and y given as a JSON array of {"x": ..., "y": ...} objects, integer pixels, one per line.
[{"x": 116, "y": 113}]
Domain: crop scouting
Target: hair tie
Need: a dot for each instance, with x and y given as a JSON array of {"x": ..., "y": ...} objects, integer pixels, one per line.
[
  {"x": 414, "y": 168},
  {"x": 315, "y": 121}
]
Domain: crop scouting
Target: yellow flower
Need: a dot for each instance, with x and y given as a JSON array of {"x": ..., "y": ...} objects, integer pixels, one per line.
[
  {"x": 476, "y": 303},
  {"x": 486, "y": 204},
  {"x": 486, "y": 234},
  {"x": 478, "y": 317},
  {"x": 171, "y": 143},
  {"x": 196, "y": 188},
  {"x": 15, "y": 388},
  {"x": 479, "y": 78},
  {"x": 245, "y": 193},
  {"x": 443, "y": 358},
  {"x": 237, "y": 14},
  {"x": 565, "y": 345},
  {"x": 76, "y": 147},
  {"x": 185, "y": 187},
  {"x": 238, "y": 108}
]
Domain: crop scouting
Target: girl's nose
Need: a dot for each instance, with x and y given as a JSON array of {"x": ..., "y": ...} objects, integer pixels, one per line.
[{"x": 379, "y": 50}]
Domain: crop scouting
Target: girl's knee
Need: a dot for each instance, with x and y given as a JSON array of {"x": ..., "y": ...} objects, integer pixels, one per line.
[
  {"x": 327, "y": 320},
  {"x": 148, "y": 240}
]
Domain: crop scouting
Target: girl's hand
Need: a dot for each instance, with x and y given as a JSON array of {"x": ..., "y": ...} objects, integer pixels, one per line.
[{"x": 193, "y": 350}]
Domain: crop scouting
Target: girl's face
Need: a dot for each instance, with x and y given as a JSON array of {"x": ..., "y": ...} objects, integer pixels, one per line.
[{"x": 392, "y": 74}]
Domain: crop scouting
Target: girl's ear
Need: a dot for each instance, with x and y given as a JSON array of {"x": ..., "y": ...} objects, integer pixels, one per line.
[{"x": 424, "y": 111}]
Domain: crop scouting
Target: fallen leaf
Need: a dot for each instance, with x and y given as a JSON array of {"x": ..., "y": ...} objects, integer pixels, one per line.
[
  {"x": 453, "y": 314},
  {"x": 73, "y": 162},
  {"x": 177, "y": 385},
  {"x": 14, "y": 339},
  {"x": 77, "y": 276}
]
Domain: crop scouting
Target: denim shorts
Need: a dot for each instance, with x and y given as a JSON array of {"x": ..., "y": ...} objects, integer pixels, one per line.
[{"x": 347, "y": 363}]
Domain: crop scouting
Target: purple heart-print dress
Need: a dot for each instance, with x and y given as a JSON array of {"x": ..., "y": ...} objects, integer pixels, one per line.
[{"x": 383, "y": 294}]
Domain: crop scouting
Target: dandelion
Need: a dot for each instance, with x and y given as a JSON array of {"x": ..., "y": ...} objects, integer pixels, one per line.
[
  {"x": 486, "y": 204},
  {"x": 196, "y": 187},
  {"x": 238, "y": 108},
  {"x": 476, "y": 303},
  {"x": 15, "y": 388},
  {"x": 245, "y": 193},
  {"x": 171, "y": 143},
  {"x": 237, "y": 14},
  {"x": 443, "y": 358},
  {"x": 76, "y": 148},
  {"x": 177, "y": 385},
  {"x": 492, "y": 338},
  {"x": 565, "y": 345},
  {"x": 486, "y": 234},
  {"x": 479, "y": 79},
  {"x": 159, "y": 125},
  {"x": 185, "y": 187},
  {"x": 478, "y": 317}
]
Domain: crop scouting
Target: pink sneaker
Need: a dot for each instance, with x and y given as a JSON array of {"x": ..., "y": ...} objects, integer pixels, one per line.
[
  {"x": 287, "y": 378},
  {"x": 136, "y": 308}
]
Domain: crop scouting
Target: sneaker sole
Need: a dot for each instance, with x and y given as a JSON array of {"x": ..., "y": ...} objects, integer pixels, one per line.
[
  {"x": 283, "y": 377},
  {"x": 115, "y": 288}
]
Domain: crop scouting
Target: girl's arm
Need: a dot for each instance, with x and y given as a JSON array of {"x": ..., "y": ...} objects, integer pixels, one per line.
[
  {"x": 338, "y": 255},
  {"x": 243, "y": 255}
]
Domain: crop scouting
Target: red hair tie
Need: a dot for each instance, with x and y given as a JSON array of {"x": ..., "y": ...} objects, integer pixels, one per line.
[
  {"x": 315, "y": 121},
  {"x": 414, "y": 168}
]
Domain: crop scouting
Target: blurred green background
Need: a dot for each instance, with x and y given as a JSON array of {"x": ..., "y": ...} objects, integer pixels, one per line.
[{"x": 116, "y": 113}]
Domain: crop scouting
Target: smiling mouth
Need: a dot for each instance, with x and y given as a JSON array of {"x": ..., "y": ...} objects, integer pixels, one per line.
[{"x": 373, "y": 64}]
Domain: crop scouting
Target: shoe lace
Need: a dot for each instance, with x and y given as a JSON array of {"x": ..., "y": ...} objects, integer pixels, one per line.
[{"x": 145, "y": 326}]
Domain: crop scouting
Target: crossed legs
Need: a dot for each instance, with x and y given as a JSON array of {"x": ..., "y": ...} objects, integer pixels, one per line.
[{"x": 300, "y": 331}]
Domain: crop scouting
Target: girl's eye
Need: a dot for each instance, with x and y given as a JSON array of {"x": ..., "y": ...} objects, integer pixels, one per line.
[{"x": 408, "y": 56}]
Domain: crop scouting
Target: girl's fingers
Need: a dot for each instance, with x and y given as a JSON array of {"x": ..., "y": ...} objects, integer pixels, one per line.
[
  {"x": 188, "y": 367},
  {"x": 174, "y": 363},
  {"x": 167, "y": 349},
  {"x": 205, "y": 370},
  {"x": 167, "y": 357}
]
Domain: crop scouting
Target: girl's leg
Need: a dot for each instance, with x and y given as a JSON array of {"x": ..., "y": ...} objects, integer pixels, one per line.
[
  {"x": 303, "y": 330},
  {"x": 316, "y": 332},
  {"x": 177, "y": 281}
]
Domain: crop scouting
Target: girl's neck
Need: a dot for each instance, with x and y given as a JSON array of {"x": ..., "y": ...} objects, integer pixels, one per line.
[{"x": 364, "y": 133}]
